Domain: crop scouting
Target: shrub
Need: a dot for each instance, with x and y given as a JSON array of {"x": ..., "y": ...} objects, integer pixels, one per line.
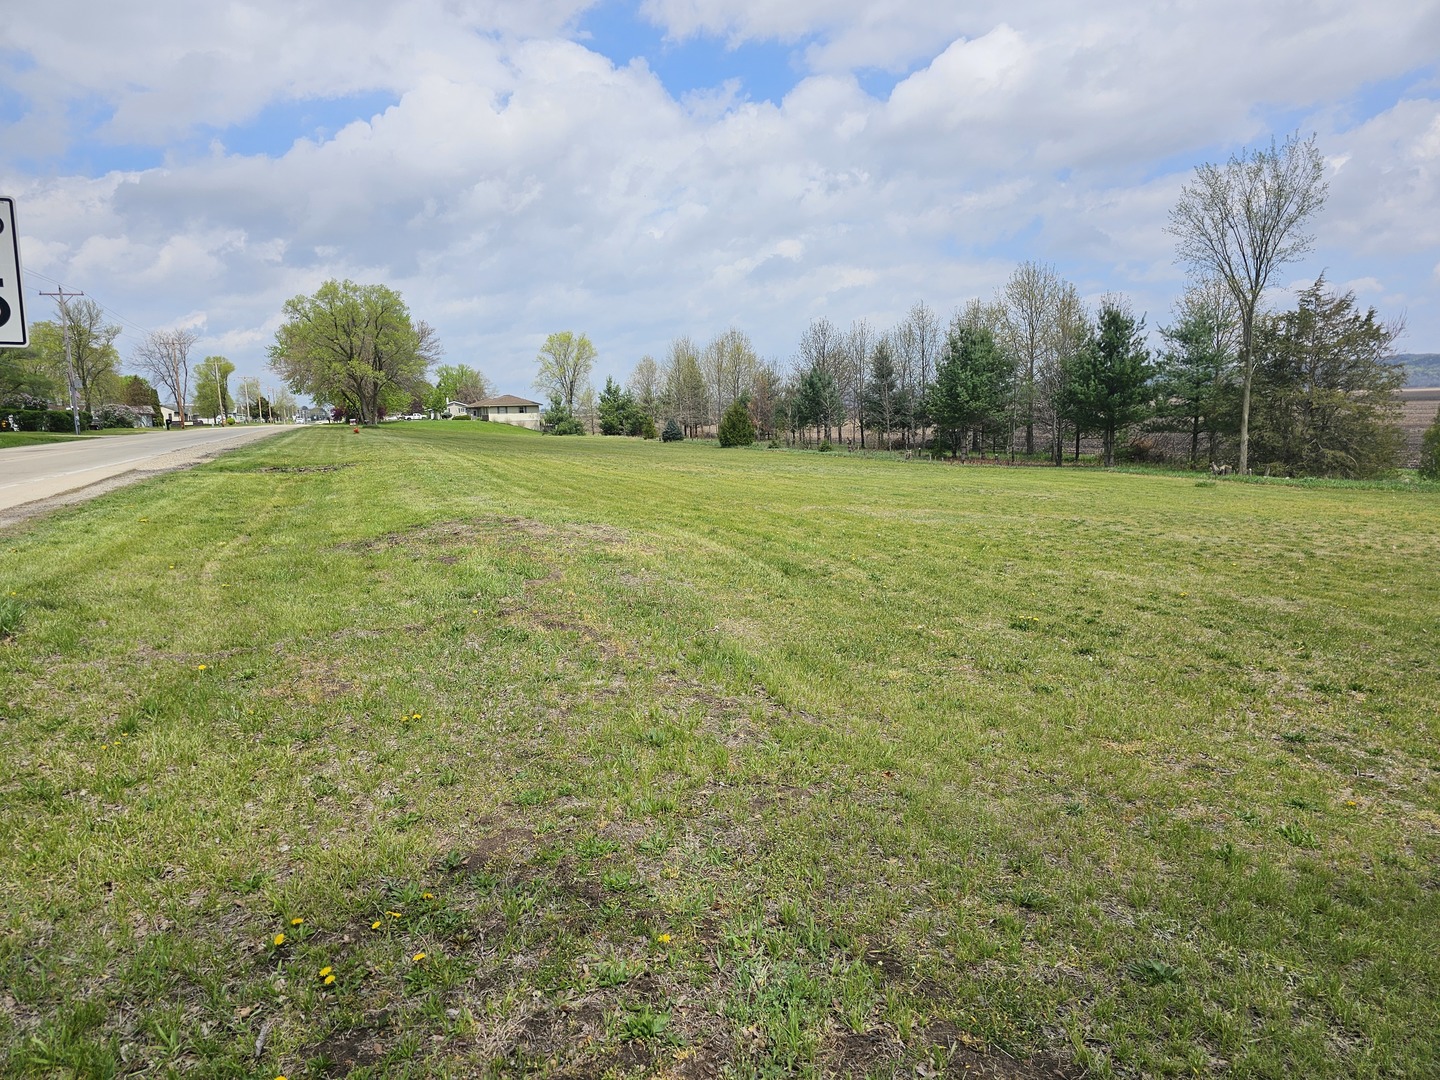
[
  {"x": 1430, "y": 451},
  {"x": 117, "y": 416},
  {"x": 647, "y": 427},
  {"x": 825, "y": 447},
  {"x": 672, "y": 432},
  {"x": 736, "y": 427},
  {"x": 559, "y": 420}
]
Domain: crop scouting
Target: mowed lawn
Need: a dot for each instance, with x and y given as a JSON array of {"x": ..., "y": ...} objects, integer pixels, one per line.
[{"x": 453, "y": 750}]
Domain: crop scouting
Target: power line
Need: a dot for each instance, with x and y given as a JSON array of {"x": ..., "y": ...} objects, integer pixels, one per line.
[{"x": 113, "y": 314}]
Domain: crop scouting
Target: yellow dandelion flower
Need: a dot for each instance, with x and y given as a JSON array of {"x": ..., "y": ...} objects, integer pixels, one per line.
[
  {"x": 664, "y": 939},
  {"x": 329, "y": 980},
  {"x": 375, "y": 925},
  {"x": 297, "y": 922},
  {"x": 427, "y": 896},
  {"x": 415, "y": 716},
  {"x": 279, "y": 940},
  {"x": 473, "y": 611},
  {"x": 199, "y": 667},
  {"x": 393, "y": 914},
  {"x": 326, "y": 970},
  {"x": 418, "y": 957}
]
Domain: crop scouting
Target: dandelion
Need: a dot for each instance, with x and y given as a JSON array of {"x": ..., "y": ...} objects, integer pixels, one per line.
[
  {"x": 375, "y": 925},
  {"x": 297, "y": 921},
  {"x": 427, "y": 896},
  {"x": 199, "y": 667},
  {"x": 279, "y": 940},
  {"x": 393, "y": 914},
  {"x": 663, "y": 939},
  {"x": 415, "y": 716},
  {"x": 473, "y": 611},
  {"x": 418, "y": 957},
  {"x": 329, "y": 980},
  {"x": 326, "y": 971}
]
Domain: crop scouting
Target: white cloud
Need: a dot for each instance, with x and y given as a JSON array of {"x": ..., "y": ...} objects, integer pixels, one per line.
[{"x": 520, "y": 183}]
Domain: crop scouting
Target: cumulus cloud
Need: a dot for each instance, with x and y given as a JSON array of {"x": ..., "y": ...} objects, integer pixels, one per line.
[{"x": 517, "y": 182}]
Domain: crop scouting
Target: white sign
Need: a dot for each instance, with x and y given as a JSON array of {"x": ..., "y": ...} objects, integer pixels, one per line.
[{"x": 12, "y": 300}]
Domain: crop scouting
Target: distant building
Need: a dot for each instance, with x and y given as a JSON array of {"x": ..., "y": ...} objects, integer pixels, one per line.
[{"x": 508, "y": 409}]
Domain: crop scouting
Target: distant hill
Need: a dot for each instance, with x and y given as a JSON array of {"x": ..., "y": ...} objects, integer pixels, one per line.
[{"x": 1421, "y": 369}]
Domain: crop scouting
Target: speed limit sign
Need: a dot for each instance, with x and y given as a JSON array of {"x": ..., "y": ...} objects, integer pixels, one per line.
[{"x": 12, "y": 299}]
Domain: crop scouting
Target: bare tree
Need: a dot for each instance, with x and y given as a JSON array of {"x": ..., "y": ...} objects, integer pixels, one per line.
[
  {"x": 1031, "y": 298},
  {"x": 918, "y": 343},
  {"x": 165, "y": 356},
  {"x": 859, "y": 343},
  {"x": 1240, "y": 222},
  {"x": 729, "y": 363},
  {"x": 822, "y": 352},
  {"x": 645, "y": 384},
  {"x": 685, "y": 395}
]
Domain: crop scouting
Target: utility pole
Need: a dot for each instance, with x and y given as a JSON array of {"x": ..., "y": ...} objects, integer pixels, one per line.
[{"x": 60, "y": 297}]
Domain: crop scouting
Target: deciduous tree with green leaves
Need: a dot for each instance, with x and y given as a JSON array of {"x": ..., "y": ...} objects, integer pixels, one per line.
[
  {"x": 354, "y": 346},
  {"x": 212, "y": 390},
  {"x": 566, "y": 360}
]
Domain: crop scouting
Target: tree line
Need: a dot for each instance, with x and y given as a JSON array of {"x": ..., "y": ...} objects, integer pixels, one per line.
[{"x": 1033, "y": 373}]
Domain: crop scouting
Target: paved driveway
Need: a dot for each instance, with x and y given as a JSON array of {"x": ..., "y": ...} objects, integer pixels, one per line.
[{"x": 40, "y": 473}]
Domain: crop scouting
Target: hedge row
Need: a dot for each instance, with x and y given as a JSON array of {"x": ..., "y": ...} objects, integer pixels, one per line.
[{"x": 46, "y": 420}]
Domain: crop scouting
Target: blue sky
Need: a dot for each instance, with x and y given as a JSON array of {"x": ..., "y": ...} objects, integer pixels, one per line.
[{"x": 512, "y": 172}]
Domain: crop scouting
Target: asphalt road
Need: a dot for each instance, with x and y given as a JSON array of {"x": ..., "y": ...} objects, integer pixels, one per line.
[{"x": 33, "y": 474}]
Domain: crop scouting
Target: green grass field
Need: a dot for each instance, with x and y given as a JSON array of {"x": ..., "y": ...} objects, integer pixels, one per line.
[
  {"x": 31, "y": 438},
  {"x": 453, "y": 750}
]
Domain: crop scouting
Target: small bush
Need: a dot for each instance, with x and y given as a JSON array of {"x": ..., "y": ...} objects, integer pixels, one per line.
[
  {"x": 736, "y": 427},
  {"x": 825, "y": 447},
  {"x": 672, "y": 432},
  {"x": 647, "y": 427},
  {"x": 1430, "y": 451}
]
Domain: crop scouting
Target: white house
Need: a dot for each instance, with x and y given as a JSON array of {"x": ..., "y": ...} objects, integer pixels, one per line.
[{"x": 508, "y": 409}]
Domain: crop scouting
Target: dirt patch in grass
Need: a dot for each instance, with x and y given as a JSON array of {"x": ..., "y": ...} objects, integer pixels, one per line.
[
  {"x": 526, "y": 534},
  {"x": 342, "y": 1052}
]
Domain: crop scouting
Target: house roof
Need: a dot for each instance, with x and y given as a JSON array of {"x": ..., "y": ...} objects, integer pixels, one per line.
[{"x": 504, "y": 399}]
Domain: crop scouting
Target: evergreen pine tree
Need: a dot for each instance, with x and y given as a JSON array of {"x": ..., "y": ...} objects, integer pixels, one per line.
[
  {"x": 736, "y": 427},
  {"x": 672, "y": 432}
]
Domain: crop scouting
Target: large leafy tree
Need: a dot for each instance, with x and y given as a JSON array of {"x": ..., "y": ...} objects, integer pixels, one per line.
[
  {"x": 212, "y": 386},
  {"x": 1241, "y": 221},
  {"x": 459, "y": 382},
  {"x": 970, "y": 386},
  {"x": 1109, "y": 384},
  {"x": 566, "y": 360},
  {"x": 136, "y": 392},
  {"x": 1325, "y": 393},
  {"x": 353, "y": 346}
]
